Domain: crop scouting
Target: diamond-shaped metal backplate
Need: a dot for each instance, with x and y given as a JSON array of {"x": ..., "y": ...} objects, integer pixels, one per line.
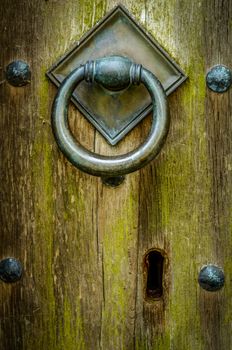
[{"x": 114, "y": 114}]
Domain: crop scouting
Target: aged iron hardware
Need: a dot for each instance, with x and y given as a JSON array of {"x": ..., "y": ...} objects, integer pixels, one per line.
[
  {"x": 211, "y": 278},
  {"x": 113, "y": 73},
  {"x": 219, "y": 78},
  {"x": 114, "y": 114},
  {"x": 154, "y": 264},
  {"x": 10, "y": 270},
  {"x": 18, "y": 73},
  {"x": 113, "y": 181}
]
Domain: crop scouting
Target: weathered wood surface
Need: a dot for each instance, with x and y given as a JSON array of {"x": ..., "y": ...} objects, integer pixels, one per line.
[{"x": 82, "y": 244}]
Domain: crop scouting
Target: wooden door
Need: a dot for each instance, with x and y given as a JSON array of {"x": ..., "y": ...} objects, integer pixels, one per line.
[{"x": 82, "y": 244}]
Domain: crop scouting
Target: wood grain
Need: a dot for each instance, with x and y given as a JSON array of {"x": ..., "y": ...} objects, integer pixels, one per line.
[{"x": 82, "y": 244}]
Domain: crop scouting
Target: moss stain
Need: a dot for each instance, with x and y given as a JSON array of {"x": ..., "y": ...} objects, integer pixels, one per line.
[
  {"x": 117, "y": 243},
  {"x": 71, "y": 328},
  {"x": 43, "y": 187}
]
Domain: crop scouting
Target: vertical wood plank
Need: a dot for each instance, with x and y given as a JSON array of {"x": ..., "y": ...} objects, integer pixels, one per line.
[{"x": 215, "y": 314}]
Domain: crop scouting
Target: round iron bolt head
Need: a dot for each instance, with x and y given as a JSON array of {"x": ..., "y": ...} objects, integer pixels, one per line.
[
  {"x": 211, "y": 278},
  {"x": 18, "y": 73},
  {"x": 10, "y": 270},
  {"x": 219, "y": 78}
]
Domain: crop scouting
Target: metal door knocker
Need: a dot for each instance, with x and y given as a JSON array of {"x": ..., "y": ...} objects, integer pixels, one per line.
[
  {"x": 115, "y": 90},
  {"x": 114, "y": 73}
]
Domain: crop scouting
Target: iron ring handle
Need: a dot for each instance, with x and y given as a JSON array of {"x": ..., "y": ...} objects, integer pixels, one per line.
[{"x": 114, "y": 73}]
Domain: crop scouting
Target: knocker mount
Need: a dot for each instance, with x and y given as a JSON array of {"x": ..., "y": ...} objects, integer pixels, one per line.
[{"x": 116, "y": 56}]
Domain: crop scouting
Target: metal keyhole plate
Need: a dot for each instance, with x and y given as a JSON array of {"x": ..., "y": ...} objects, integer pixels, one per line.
[{"x": 115, "y": 113}]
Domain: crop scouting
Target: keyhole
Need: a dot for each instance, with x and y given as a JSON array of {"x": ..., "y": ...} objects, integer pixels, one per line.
[{"x": 154, "y": 262}]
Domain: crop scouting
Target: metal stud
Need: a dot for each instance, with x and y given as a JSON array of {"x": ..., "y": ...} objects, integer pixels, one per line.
[
  {"x": 113, "y": 181},
  {"x": 10, "y": 270},
  {"x": 18, "y": 73},
  {"x": 219, "y": 78},
  {"x": 211, "y": 278}
]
